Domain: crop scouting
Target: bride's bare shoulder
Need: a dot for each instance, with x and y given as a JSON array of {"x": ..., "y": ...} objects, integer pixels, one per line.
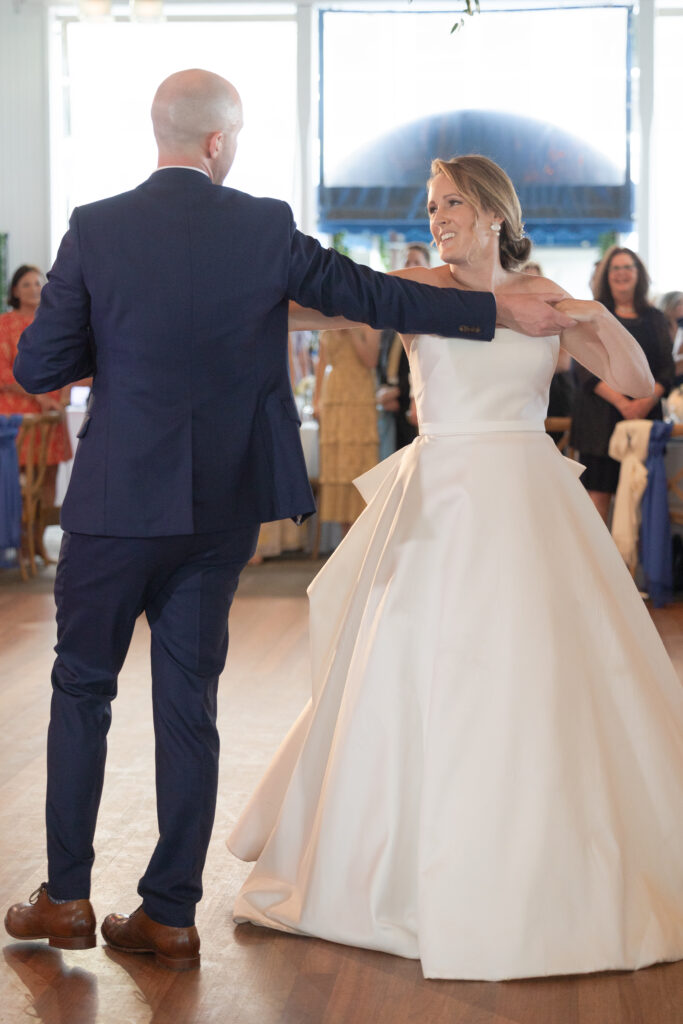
[
  {"x": 531, "y": 284},
  {"x": 438, "y": 276}
]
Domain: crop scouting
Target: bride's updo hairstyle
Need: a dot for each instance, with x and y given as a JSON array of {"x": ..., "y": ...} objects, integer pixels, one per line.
[{"x": 486, "y": 186}]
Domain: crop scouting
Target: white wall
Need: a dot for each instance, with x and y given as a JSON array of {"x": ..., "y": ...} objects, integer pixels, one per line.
[{"x": 24, "y": 133}]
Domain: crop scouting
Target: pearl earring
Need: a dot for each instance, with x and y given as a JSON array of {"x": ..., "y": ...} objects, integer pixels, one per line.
[{"x": 495, "y": 227}]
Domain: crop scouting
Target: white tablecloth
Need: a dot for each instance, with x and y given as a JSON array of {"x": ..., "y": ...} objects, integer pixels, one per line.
[
  {"x": 74, "y": 418},
  {"x": 309, "y": 442}
]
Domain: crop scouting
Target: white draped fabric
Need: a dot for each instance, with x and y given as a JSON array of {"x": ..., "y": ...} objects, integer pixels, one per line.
[
  {"x": 489, "y": 775},
  {"x": 629, "y": 445}
]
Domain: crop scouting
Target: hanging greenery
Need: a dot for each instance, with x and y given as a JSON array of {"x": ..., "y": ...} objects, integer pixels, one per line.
[{"x": 471, "y": 7}]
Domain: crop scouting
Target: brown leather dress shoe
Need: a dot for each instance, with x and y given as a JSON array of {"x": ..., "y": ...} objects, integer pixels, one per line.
[
  {"x": 65, "y": 925},
  {"x": 175, "y": 948}
]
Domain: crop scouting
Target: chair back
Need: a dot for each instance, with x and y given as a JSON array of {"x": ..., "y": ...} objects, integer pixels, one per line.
[
  {"x": 561, "y": 427},
  {"x": 33, "y": 442}
]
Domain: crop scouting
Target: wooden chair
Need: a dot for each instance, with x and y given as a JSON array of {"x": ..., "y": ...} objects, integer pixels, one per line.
[
  {"x": 35, "y": 433},
  {"x": 561, "y": 425}
]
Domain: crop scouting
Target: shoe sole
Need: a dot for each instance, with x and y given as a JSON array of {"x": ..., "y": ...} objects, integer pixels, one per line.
[
  {"x": 82, "y": 942},
  {"x": 172, "y": 963},
  {"x": 58, "y": 941}
]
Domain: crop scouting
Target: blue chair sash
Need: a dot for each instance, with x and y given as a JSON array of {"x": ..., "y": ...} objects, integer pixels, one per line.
[
  {"x": 10, "y": 490},
  {"x": 655, "y": 534}
]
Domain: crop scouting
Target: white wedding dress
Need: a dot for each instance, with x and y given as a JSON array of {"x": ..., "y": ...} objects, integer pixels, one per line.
[{"x": 489, "y": 776}]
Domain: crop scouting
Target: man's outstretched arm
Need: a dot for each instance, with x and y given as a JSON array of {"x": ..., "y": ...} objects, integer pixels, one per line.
[{"x": 324, "y": 280}]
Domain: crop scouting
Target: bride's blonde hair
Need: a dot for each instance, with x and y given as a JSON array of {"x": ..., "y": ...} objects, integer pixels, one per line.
[{"x": 485, "y": 185}]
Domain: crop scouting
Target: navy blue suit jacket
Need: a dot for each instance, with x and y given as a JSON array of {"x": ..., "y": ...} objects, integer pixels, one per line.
[{"x": 174, "y": 296}]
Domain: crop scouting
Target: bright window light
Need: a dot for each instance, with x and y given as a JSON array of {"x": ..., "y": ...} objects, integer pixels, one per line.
[
  {"x": 563, "y": 67},
  {"x": 667, "y": 156},
  {"x": 112, "y": 71}
]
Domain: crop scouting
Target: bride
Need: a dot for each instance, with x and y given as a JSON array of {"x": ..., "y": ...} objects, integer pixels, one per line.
[{"x": 489, "y": 774}]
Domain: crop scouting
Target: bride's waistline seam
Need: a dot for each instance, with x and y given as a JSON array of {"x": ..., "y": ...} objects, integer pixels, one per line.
[{"x": 501, "y": 426}]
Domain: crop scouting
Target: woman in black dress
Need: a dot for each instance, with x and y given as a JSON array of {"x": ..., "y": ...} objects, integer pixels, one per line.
[{"x": 622, "y": 286}]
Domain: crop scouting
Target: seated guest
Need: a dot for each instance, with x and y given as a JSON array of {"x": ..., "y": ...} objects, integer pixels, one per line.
[
  {"x": 671, "y": 305},
  {"x": 24, "y": 299}
]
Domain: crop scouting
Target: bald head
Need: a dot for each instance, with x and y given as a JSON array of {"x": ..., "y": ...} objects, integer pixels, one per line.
[{"x": 192, "y": 108}]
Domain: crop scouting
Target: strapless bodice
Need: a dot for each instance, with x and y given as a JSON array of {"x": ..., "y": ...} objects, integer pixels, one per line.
[{"x": 461, "y": 385}]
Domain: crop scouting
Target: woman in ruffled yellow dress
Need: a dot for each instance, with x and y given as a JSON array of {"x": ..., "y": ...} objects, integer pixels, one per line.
[{"x": 344, "y": 404}]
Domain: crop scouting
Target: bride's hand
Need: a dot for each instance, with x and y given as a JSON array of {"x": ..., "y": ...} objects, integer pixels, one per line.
[{"x": 581, "y": 310}]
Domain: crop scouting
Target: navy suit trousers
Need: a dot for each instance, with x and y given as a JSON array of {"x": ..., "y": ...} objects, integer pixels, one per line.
[{"x": 185, "y": 585}]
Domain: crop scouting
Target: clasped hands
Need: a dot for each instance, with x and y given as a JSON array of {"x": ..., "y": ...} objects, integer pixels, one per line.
[
  {"x": 537, "y": 313},
  {"x": 636, "y": 408}
]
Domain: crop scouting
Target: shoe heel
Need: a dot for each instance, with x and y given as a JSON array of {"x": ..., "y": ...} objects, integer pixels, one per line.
[
  {"x": 176, "y": 964},
  {"x": 76, "y": 942}
]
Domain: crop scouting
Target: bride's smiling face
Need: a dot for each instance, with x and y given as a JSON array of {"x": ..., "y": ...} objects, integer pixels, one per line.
[{"x": 461, "y": 231}]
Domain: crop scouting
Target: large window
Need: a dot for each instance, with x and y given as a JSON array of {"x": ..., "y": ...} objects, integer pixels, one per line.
[
  {"x": 545, "y": 93},
  {"x": 667, "y": 154},
  {"x": 103, "y": 142},
  {"x": 545, "y": 89}
]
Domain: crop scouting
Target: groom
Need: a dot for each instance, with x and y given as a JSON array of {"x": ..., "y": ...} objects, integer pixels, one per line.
[{"x": 175, "y": 297}]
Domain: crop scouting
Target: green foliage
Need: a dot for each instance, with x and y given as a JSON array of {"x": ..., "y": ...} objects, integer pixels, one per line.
[
  {"x": 384, "y": 252},
  {"x": 605, "y": 241},
  {"x": 339, "y": 244}
]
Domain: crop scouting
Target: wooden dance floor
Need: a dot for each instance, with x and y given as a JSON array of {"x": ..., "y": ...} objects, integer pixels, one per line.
[{"x": 248, "y": 975}]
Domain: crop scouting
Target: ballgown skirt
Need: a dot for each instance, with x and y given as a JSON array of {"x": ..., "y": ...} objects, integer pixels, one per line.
[{"x": 489, "y": 775}]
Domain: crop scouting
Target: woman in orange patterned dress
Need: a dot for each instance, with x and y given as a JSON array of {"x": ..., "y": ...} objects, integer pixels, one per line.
[{"x": 24, "y": 298}]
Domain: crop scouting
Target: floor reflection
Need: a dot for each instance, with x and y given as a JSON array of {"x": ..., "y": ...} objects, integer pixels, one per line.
[
  {"x": 170, "y": 995},
  {"x": 57, "y": 994}
]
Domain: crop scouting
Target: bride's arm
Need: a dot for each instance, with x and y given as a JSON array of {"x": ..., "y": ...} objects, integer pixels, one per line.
[{"x": 600, "y": 343}]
